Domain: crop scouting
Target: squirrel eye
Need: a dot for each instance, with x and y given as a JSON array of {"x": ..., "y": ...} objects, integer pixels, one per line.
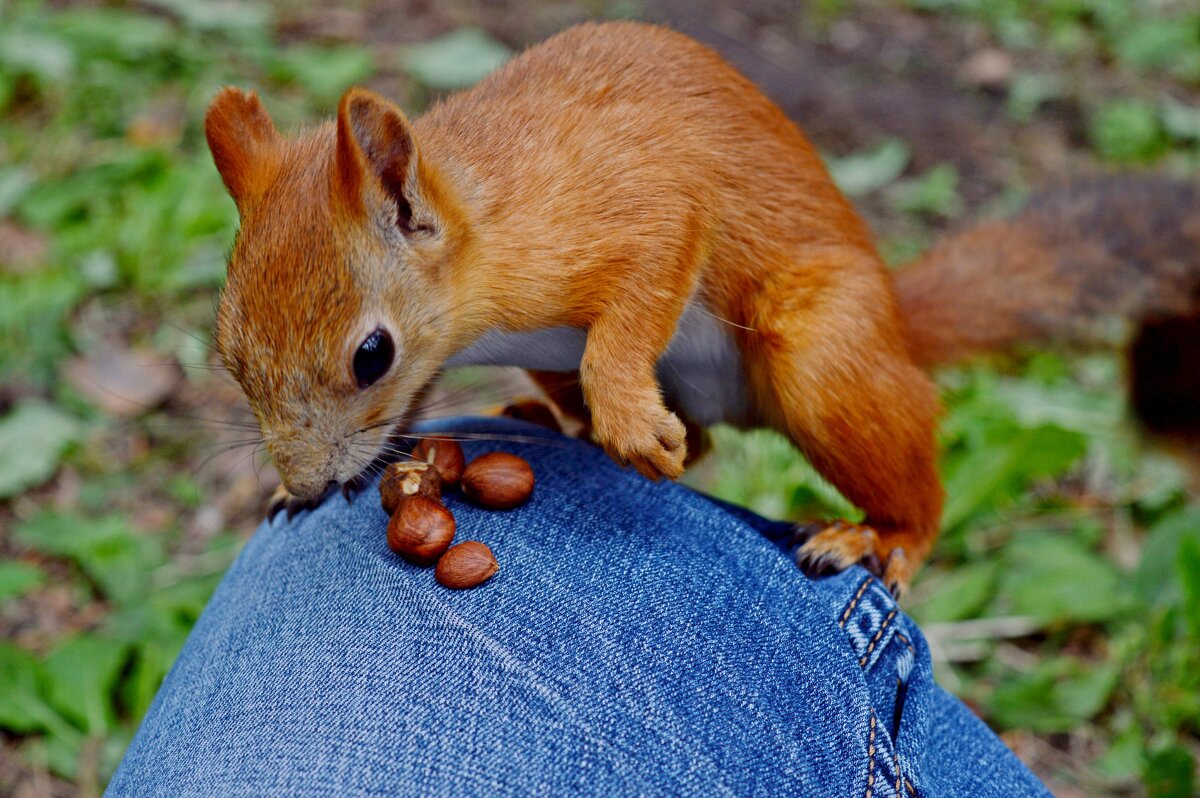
[{"x": 373, "y": 358}]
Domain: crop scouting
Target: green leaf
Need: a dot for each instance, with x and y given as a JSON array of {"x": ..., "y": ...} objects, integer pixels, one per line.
[
  {"x": 1057, "y": 695},
  {"x": 988, "y": 474},
  {"x": 456, "y": 60},
  {"x": 33, "y": 438},
  {"x": 80, "y": 676},
  {"x": 1181, "y": 121},
  {"x": 1171, "y": 773},
  {"x": 116, "y": 558},
  {"x": 324, "y": 72},
  {"x": 1188, "y": 563},
  {"x": 957, "y": 594},
  {"x": 1127, "y": 131},
  {"x": 1054, "y": 578},
  {"x": 1162, "y": 43},
  {"x": 1157, "y": 579},
  {"x": 20, "y": 704},
  {"x": 870, "y": 170},
  {"x": 935, "y": 193},
  {"x": 18, "y": 578}
]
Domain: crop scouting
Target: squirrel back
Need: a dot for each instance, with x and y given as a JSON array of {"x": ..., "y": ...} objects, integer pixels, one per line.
[{"x": 1075, "y": 259}]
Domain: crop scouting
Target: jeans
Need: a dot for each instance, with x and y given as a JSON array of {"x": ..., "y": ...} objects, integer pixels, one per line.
[{"x": 639, "y": 639}]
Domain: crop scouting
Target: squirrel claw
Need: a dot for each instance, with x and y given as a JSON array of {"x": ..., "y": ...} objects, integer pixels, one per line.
[
  {"x": 352, "y": 487},
  {"x": 282, "y": 501},
  {"x": 831, "y": 547}
]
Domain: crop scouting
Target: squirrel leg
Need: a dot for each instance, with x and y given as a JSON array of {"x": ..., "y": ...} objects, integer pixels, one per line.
[
  {"x": 838, "y": 380},
  {"x": 622, "y": 393}
]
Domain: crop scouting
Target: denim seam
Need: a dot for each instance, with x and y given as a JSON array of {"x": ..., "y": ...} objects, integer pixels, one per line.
[
  {"x": 871, "y": 757},
  {"x": 875, "y": 640},
  {"x": 854, "y": 602}
]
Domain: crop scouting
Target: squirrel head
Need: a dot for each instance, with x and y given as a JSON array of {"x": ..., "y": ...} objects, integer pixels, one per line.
[{"x": 335, "y": 312}]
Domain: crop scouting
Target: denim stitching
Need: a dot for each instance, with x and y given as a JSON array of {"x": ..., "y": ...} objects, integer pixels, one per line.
[
  {"x": 863, "y": 660},
  {"x": 906, "y": 641},
  {"x": 854, "y": 602},
  {"x": 871, "y": 757}
]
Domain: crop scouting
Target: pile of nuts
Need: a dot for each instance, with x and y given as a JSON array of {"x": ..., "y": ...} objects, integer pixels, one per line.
[{"x": 422, "y": 528}]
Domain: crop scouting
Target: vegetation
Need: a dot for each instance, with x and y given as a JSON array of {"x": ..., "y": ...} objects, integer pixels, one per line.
[{"x": 1063, "y": 602}]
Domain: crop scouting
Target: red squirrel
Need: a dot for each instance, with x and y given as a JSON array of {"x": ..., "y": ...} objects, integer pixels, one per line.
[{"x": 617, "y": 202}]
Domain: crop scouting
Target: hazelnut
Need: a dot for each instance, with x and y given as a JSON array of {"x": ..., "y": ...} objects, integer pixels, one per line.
[
  {"x": 466, "y": 565},
  {"x": 408, "y": 478},
  {"x": 420, "y": 530},
  {"x": 498, "y": 480},
  {"x": 445, "y": 454}
]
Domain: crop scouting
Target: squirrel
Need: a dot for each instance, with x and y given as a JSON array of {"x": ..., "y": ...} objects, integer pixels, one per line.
[{"x": 620, "y": 210}]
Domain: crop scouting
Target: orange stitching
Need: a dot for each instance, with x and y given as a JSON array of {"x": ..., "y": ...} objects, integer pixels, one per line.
[
  {"x": 906, "y": 642},
  {"x": 896, "y": 762},
  {"x": 854, "y": 602},
  {"x": 879, "y": 634},
  {"x": 911, "y": 789},
  {"x": 871, "y": 757}
]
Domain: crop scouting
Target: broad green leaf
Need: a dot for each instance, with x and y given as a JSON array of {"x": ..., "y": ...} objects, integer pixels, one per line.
[
  {"x": 1057, "y": 695},
  {"x": 112, "y": 33},
  {"x": 22, "y": 708},
  {"x": 1188, "y": 563},
  {"x": 116, "y": 558},
  {"x": 1127, "y": 131},
  {"x": 80, "y": 676},
  {"x": 18, "y": 578},
  {"x": 47, "y": 58},
  {"x": 324, "y": 72},
  {"x": 935, "y": 192},
  {"x": 457, "y": 60},
  {"x": 863, "y": 172},
  {"x": 1181, "y": 121},
  {"x": 990, "y": 474},
  {"x": 1171, "y": 773},
  {"x": 1054, "y": 578},
  {"x": 1156, "y": 580},
  {"x": 33, "y": 438},
  {"x": 958, "y": 593}
]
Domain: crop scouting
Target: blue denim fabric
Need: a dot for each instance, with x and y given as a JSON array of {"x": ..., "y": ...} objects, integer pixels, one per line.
[{"x": 640, "y": 639}]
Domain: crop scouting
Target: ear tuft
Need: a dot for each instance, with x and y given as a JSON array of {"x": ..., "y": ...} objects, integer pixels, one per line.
[
  {"x": 375, "y": 144},
  {"x": 241, "y": 137}
]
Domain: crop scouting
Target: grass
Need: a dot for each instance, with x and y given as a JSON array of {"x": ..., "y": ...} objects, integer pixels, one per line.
[{"x": 1063, "y": 602}]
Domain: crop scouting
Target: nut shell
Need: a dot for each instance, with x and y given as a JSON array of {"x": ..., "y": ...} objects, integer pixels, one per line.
[
  {"x": 408, "y": 478},
  {"x": 421, "y": 530},
  {"x": 466, "y": 565},
  {"x": 498, "y": 480},
  {"x": 447, "y": 456}
]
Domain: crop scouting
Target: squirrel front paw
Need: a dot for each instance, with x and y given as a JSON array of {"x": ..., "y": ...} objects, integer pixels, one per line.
[
  {"x": 655, "y": 443},
  {"x": 282, "y": 501}
]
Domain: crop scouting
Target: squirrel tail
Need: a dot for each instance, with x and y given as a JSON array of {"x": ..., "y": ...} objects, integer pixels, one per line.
[{"x": 1079, "y": 263}]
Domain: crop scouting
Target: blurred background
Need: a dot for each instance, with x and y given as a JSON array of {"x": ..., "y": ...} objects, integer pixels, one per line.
[{"x": 1063, "y": 600}]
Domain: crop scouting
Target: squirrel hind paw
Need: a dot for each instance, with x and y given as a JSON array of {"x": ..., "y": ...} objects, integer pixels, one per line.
[{"x": 828, "y": 548}]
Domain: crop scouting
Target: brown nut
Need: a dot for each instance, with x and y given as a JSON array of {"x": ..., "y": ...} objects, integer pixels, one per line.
[
  {"x": 421, "y": 530},
  {"x": 498, "y": 480},
  {"x": 466, "y": 565},
  {"x": 408, "y": 478},
  {"x": 444, "y": 453}
]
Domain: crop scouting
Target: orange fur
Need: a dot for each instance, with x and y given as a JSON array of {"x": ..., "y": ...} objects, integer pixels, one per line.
[{"x": 603, "y": 180}]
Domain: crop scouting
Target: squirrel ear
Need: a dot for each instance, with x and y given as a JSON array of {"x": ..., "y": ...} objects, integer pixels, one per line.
[
  {"x": 242, "y": 139},
  {"x": 375, "y": 145}
]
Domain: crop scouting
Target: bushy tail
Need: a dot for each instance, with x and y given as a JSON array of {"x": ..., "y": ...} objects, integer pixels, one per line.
[{"x": 1121, "y": 248}]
